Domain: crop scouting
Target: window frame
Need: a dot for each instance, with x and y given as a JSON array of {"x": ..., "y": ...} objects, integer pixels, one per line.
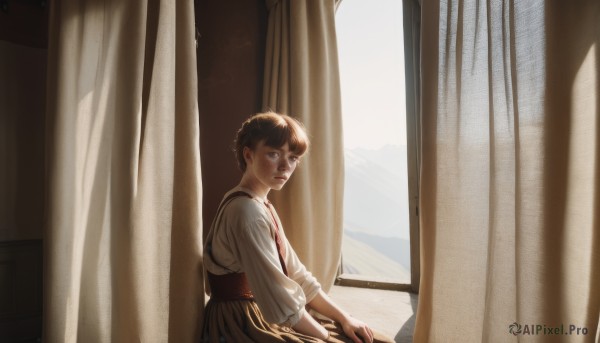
[{"x": 411, "y": 12}]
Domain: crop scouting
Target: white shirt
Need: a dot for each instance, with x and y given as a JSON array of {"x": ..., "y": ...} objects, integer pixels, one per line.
[{"x": 243, "y": 240}]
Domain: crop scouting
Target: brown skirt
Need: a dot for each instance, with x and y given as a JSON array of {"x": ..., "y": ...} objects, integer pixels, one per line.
[{"x": 241, "y": 321}]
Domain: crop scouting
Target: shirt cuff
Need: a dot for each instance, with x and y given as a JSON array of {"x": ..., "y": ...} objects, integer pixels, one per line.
[{"x": 294, "y": 319}]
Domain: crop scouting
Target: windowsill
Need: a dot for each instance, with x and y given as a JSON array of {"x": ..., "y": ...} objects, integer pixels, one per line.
[
  {"x": 356, "y": 280},
  {"x": 390, "y": 312}
]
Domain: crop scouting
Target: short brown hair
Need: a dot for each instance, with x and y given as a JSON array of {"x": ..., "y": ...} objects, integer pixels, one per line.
[{"x": 276, "y": 129}]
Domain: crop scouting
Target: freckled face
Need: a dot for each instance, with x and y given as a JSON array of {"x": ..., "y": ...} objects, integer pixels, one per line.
[{"x": 271, "y": 167}]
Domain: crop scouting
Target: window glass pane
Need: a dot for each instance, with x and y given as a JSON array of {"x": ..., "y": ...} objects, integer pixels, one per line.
[{"x": 376, "y": 224}]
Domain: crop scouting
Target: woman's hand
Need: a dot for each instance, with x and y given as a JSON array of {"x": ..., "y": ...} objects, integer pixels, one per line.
[{"x": 354, "y": 328}]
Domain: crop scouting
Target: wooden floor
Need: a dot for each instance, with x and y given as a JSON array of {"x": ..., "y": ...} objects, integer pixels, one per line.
[{"x": 389, "y": 312}]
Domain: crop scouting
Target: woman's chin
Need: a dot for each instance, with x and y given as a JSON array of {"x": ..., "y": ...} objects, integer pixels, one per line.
[{"x": 278, "y": 186}]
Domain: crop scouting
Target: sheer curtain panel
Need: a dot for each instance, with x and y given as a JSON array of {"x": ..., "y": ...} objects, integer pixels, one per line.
[
  {"x": 510, "y": 233},
  {"x": 123, "y": 236}
]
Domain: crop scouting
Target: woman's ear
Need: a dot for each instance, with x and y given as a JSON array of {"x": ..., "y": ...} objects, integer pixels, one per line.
[{"x": 247, "y": 152}]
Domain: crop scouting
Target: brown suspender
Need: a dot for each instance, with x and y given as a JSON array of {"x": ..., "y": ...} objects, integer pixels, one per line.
[{"x": 278, "y": 241}]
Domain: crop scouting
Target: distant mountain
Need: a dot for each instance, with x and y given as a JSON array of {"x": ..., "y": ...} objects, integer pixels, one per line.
[
  {"x": 376, "y": 225},
  {"x": 396, "y": 249},
  {"x": 363, "y": 259},
  {"x": 376, "y": 191}
]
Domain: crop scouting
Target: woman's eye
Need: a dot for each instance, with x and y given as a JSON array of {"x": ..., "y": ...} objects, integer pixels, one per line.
[
  {"x": 273, "y": 154},
  {"x": 294, "y": 158}
]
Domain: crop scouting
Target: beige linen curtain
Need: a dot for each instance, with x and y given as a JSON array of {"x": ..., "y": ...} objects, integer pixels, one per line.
[
  {"x": 123, "y": 239},
  {"x": 510, "y": 178},
  {"x": 302, "y": 79}
]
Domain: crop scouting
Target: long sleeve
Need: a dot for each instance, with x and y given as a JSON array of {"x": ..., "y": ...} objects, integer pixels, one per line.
[
  {"x": 250, "y": 237},
  {"x": 298, "y": 272}
]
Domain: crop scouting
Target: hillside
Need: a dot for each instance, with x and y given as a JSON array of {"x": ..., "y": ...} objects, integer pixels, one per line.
[
  {"x": 376, "y": 227},
  {"x": 366, "y": 260}
]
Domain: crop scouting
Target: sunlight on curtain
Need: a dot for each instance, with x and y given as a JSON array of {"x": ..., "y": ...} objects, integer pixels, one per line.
[
  {"x": 123, "y": 242},
  {"x": 302, "y": 80},
  {"x": 509, "y": 184}
]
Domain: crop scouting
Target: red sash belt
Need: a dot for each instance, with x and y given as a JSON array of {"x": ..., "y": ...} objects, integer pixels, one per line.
[{"x": 228, "y": 287}]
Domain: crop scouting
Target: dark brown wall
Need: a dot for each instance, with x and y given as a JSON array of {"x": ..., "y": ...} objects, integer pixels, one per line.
[
  {"x": 23, "y": 42},
  {"x": 230, "y": 70},
  {"x": 25, "y": 23},
  {"x": 22, "y": 135}
]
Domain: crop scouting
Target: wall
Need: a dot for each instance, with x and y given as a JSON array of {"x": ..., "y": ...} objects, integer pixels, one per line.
[
  {"x": 230, "y": 71},
  {"x": 25, "y": 23},
  {"x": 23, "y": 42},
  {"x": 22, "y": 109}
]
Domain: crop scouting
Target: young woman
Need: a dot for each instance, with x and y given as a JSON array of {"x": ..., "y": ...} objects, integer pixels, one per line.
[{"x": 259, "y": 288}]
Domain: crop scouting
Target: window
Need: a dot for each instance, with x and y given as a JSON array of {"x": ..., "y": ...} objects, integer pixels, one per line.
[{"x": 376, "y": 248}]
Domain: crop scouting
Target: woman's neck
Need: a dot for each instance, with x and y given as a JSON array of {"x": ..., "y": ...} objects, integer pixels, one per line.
[{"x": 254, "y": 185}]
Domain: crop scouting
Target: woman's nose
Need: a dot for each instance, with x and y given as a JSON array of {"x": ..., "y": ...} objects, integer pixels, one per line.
[{"x": 284, "y": 164}]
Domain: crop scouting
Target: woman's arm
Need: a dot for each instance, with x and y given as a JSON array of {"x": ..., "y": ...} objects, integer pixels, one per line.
[
  {"x": 325, "y": 306},
  {"x": 280, "y": 299},
  {"x": 319, "y": 301},
  {"x": 309, "y": 326}
]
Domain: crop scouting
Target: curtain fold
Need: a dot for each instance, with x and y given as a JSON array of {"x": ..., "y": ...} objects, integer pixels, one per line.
[
  {"x": 302, "y": 79},
  {"x": 510, "y": 171},
  {"x": 123, "y": 237}
]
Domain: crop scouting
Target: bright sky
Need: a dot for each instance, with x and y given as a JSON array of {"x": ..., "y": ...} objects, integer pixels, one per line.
[{"x": 370, "y": 45}]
